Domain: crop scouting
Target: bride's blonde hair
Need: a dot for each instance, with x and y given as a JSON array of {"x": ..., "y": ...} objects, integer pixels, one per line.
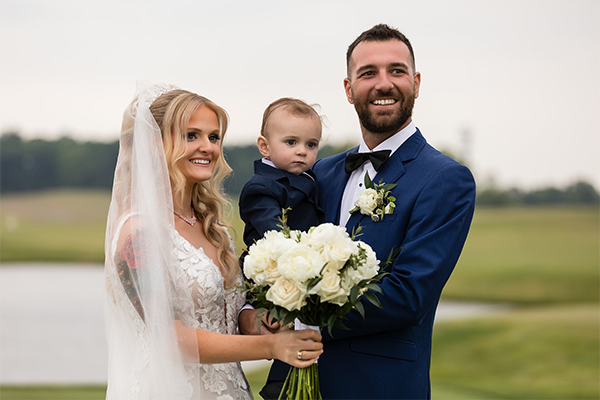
[{"x": 172, "y": 112}]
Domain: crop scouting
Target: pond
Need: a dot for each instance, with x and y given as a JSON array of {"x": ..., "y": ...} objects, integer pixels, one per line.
[{"x": 52, "y": 324}]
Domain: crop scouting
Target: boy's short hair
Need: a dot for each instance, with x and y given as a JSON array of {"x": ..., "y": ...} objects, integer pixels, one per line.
[{"x": 295, "y": 107}]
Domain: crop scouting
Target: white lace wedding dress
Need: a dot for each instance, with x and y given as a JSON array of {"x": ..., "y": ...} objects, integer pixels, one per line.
[
  {"x": 216, "y": 310},
  {"x": 205, "y": 304}
]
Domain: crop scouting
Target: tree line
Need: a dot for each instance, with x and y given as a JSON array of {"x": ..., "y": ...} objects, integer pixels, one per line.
[{"x": 37, "y": 164}]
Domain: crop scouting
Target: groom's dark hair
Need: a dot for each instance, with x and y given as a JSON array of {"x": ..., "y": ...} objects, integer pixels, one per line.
[{"x": 380, "y": 33}]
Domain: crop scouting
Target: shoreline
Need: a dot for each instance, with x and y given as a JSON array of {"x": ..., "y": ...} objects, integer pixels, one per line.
[{"x": 52, "y": 324}]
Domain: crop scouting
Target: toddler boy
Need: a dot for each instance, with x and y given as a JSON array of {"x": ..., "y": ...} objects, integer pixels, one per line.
[{"x": 289, "y": 141}]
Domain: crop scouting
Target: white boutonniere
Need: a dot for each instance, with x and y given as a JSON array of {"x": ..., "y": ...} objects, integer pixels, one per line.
[{"x": 376, "y": 200}]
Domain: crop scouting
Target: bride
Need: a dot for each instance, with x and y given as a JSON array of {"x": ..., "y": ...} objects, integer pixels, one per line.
[{"x": 172, "y": 277}]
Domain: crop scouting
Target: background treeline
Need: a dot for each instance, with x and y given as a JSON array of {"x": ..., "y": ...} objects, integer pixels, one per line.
[
  {"x": 30, "y": 165},
  {"x": 580, "y": 192}
]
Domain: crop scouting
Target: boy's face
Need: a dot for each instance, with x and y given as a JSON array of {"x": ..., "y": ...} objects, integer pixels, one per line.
[{"x": 292, "y": 142}]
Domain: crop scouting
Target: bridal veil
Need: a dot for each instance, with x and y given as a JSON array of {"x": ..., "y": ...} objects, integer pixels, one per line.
[{"x": 143, "y": 294}]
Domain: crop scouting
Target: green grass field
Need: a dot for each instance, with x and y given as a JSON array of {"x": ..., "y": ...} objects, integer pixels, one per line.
[
  {"x": 544, "y": 261},
  {"x": 530, "y": 255},
  {"x": 54, "y": 226}
]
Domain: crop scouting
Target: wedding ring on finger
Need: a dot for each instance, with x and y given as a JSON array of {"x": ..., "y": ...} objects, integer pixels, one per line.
[{"x": 300, "y": 355}]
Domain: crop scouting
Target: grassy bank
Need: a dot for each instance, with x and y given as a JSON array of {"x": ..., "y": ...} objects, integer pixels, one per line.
[
  {"x": 542, "y": 352},
  {"x": 54, "y": 226},
  {"x": 52, "y": 392},
  {"x": 530, "y": 255}
]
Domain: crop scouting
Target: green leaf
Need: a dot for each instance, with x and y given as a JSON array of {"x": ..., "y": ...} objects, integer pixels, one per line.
[
  {"x": 372, "y": 297},
  {"x": 353, "y": 295},
  {"x": 314, "y": 281},
  {"x": 339, "y": 324},
  {"x": 285, "y": 229},
  {"x": 360, "y": 308},
  {"x": 289, "y": 318},
  {"x": 275, "y": 313},
  {"x": 368, "y": 182},
  {"x": 392, "y": 256},
  {"x": 356, "y": 231},
  {"x": 259, "y": 315},
  {"x": 374, "y": 287}
]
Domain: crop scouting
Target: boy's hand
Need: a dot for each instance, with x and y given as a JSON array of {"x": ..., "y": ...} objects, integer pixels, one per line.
[{"x": 248, "y": 326}]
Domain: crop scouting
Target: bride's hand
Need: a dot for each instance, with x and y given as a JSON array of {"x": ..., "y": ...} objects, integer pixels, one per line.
[{"x": 298, "y": 348}]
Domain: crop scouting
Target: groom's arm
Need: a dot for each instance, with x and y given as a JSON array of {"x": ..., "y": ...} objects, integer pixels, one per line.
[{"x": 431, "y": 245}]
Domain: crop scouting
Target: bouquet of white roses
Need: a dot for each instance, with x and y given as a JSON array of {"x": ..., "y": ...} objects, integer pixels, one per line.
[{"x": 317, "y": 277}]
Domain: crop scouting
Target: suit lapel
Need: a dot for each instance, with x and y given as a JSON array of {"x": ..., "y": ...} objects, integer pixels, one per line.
[
  {"x": 301, "y": 183},
  {"x": 392, "y": 170}
]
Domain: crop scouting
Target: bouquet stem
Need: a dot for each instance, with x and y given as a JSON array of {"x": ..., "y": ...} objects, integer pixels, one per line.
[{"x": 302, "y": 384}]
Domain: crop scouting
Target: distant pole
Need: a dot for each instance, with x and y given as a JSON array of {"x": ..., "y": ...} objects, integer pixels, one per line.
[{"x": 466, "y": 139}]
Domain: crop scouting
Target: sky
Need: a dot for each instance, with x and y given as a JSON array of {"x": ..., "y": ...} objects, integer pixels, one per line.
[{"x": 510, "y": 86}]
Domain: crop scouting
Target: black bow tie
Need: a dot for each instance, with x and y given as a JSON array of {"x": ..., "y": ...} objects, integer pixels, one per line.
[{"x": 355, "y": 160}]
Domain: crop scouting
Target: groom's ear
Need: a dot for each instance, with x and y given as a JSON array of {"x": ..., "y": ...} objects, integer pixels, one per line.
[
  {"x": 348, "y": 90},
  {"x": 263, "y": 146},
  {"x": 417, "y": 83}
]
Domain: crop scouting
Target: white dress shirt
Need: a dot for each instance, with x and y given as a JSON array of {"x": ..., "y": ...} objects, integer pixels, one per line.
[{"x": 357, "y": 178}]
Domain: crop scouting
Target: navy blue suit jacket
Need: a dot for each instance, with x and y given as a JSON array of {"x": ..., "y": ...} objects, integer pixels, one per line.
[
  {"x": 387, "y": 355},
  {"x": 270, "y": 190}
]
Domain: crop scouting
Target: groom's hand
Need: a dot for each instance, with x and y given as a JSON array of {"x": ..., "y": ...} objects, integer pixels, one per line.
[{"x": 248, "y": 323}]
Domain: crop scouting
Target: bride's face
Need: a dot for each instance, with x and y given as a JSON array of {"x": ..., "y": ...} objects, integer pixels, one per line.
[{"x": 202, "y": 143}]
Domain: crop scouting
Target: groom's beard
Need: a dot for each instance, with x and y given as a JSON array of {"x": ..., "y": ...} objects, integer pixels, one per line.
[{"x": 386, "y": 123}]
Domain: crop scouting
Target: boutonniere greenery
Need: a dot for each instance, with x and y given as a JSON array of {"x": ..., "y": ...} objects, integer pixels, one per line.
[{"x": 375, "y": 200}]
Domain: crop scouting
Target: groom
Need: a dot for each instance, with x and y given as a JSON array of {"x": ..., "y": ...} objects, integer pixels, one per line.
[{"x": 387, "y": 355}]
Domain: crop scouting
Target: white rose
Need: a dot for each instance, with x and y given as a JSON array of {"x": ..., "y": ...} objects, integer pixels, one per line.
[
  {"x": 278, "y": 243},
  {"x": 261, "y": 262},
  {"x": 286, "y": 294},
  {"x": 300, "y": 263},
  {"x": 330, "y": 289},
  {"x": 256, "y": 261},
  {"x": 333, "y": 242},
  {"x": 372, "y": 263},
  {"x": 367, "y": 201},
  {"x": 270, "y": 275},
  {"x": 338, "y": 252},
  {"x": 366, "y": 270},
  {"x": 298, "y": 236},
  {"x": 325, "y": 232}
]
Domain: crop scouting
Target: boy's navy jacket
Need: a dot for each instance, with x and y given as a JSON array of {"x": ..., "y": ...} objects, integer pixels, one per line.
[{"x": 268, "y": 192}]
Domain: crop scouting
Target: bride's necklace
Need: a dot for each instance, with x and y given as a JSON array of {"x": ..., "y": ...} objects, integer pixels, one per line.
[{"x": 189, "y": 221}]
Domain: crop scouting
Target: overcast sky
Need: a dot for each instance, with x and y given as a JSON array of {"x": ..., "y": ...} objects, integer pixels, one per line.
[{"x": 511, "y": 85}]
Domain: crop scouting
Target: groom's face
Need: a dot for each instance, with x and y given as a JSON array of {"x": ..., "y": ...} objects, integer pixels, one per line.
[{"x": 382, "y": 86}]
